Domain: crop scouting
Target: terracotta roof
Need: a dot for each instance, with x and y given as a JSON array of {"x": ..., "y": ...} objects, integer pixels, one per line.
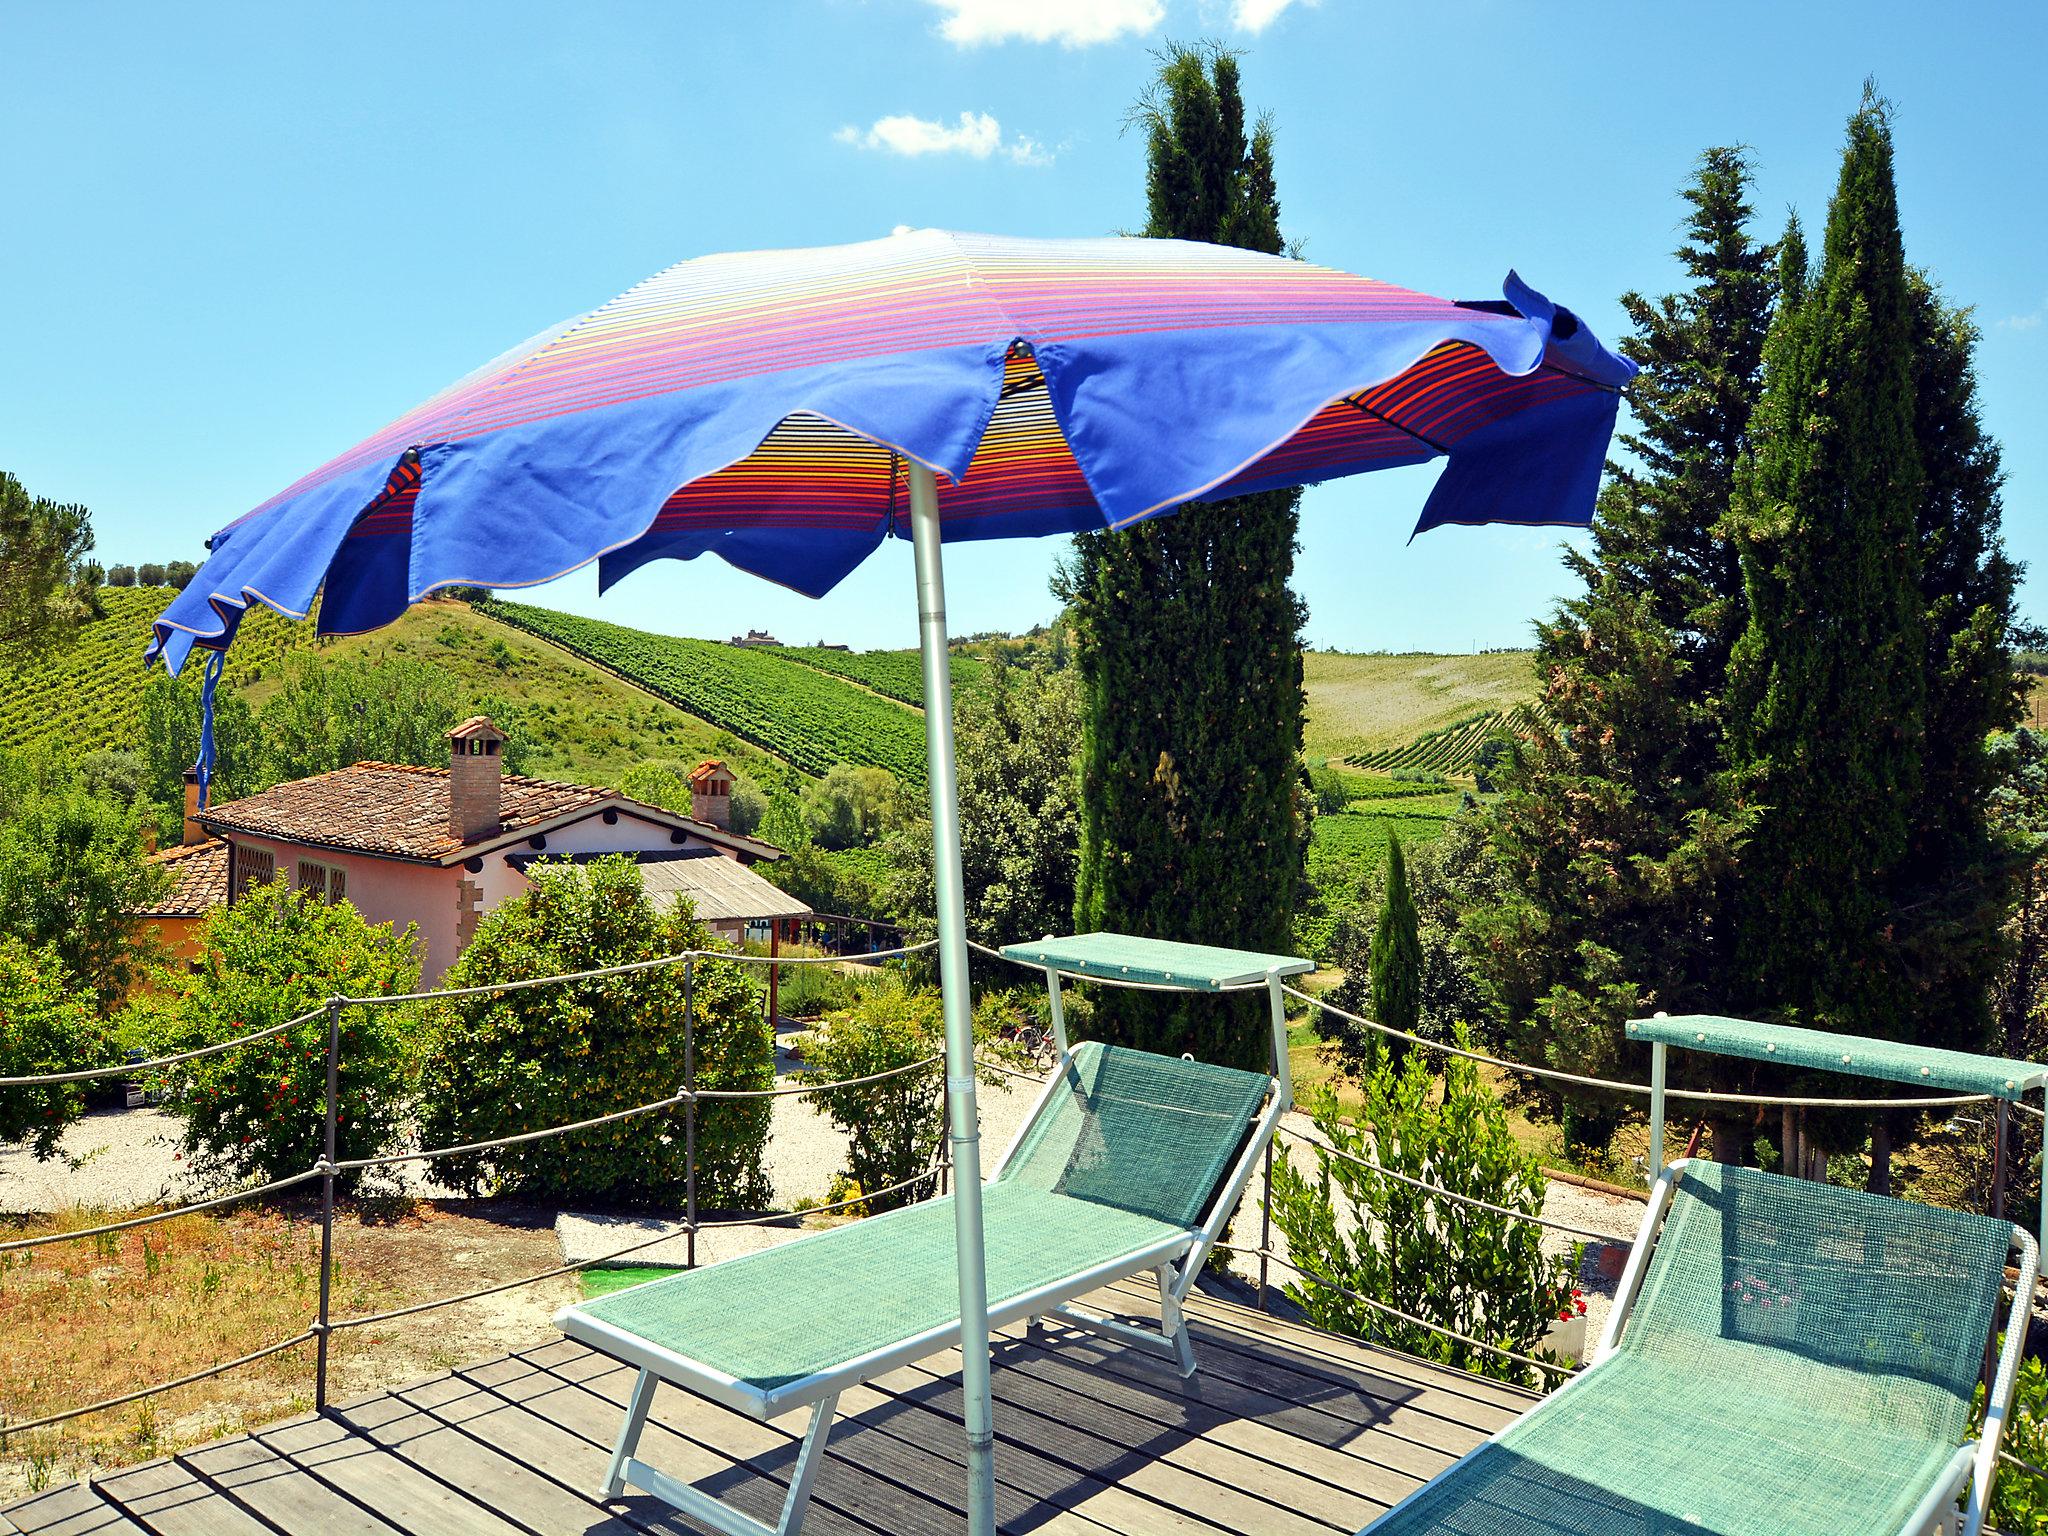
[
  {"x": 391, "y": 809},
  {"x": 476, "y": 725},
  {"x": 199, "y": 879},
  {"x": 707, "y": 769}
]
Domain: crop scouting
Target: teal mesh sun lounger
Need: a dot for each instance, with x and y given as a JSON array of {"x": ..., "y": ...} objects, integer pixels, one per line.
[
  {"x": 1785, "y": 1358},
  {"x": 1129, "y": 1164}
]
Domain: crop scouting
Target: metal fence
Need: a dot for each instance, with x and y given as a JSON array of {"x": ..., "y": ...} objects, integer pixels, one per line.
[{"x": 329, "y": 1168}]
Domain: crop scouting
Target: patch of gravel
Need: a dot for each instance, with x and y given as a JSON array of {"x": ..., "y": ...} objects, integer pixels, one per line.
[
  {"x": 111, "y": 1159},
  {"x": 805, "y": 1149}
]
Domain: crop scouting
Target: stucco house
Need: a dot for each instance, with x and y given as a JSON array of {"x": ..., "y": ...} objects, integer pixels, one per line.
[
  {"x": 440, "y": 847},
  {"x": 198, "y": 882}
]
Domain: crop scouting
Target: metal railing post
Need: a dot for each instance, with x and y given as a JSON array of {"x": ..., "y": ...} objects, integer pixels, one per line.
[
  {"x": 327, "y": 1157},
  {"x": 690, "y": 1107},
  {"x": 2003, "y": 1134},
  {"x": 1265, "y": 1220}
]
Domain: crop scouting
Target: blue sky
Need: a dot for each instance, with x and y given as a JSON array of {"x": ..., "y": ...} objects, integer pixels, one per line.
[{"x": 239, "y": 237}]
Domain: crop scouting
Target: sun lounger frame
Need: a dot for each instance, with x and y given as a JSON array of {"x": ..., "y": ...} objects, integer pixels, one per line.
[{"x": 1175, "y": 1263}]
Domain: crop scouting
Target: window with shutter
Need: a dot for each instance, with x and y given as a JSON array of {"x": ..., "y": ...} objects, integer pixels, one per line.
[
  {"x": 254, "y": 867},
  {"x": 313, "y": 878}
]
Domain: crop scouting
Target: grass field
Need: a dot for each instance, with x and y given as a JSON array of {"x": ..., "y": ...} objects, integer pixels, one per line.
[
  {"x": 1361, "y": 705},
  {"x": 768, "y": 712},
  {"x": 88, "y": 694},
  {"x": 805, "y": 716}
]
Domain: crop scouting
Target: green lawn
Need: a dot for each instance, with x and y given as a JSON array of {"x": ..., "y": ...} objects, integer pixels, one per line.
[{"x": 602, "y": 1282}]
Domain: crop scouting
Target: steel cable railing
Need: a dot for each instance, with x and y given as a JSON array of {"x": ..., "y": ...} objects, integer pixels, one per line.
[{"x": 328, "y": 1168}]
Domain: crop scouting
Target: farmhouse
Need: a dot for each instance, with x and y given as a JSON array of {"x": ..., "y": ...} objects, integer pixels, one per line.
[
  {"x": 198, "y": 871},
  {"x": 440, "y": 847}
]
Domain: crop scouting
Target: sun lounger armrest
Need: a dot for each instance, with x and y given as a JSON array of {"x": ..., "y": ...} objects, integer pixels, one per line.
[{"x": 1942, "y": 1494}]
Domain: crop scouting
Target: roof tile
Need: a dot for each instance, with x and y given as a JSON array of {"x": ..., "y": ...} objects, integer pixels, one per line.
[
  {"x": 199, "y": 879},
  {"x": 391, "y": 809}
]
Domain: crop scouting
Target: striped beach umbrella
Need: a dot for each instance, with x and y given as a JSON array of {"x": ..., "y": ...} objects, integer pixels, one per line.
[{"x": 790, "y": 410}]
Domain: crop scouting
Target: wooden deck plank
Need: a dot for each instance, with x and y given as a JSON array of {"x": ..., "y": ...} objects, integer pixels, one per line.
[
  {"x": 1282, "y": 1432},
  {"x": 564, "y": 1458},
  {"x": 422, "y": 1441},
  {"x": 1088, "y": 1437},
  {"x": 279, "y": 1492},
  {"x": 1359, "y": 1403},
  {"x": 73, "y": 1510},
  {"x": 1218, "y": 1410},
  {"x": 860, "y": 1486},
  {"x": 1290, "y": 1352},
  {"x": 358, "y": 1469},
  {"x": 596, "y": 1419},
  {"x": 170, "y": 1500},
  {"x": 1286, "y": 1332}
]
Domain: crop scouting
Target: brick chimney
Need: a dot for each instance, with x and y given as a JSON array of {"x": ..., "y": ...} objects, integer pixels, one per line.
[
  {"x": 194, "y": 833},
  {"x": 711, "y": 793},
  {"x": 475, "y": 763}
]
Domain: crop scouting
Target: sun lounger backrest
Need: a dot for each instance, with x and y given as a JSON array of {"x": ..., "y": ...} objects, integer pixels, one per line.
[
  {"x": 1899, "y": 1296},
  {"x": 1150, "y": 1134}
]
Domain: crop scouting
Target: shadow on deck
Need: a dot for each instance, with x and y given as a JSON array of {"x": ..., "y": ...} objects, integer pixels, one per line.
[{"x": 1283, "y": 1430}]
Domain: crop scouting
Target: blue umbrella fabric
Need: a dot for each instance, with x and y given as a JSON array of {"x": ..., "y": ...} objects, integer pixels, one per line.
[{"x": 765, "y": 407}]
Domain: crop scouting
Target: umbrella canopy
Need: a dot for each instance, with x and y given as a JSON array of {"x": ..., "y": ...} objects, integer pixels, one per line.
[
  {"x": 788, "y": 410},
  {"x": 765, "y": 407}
]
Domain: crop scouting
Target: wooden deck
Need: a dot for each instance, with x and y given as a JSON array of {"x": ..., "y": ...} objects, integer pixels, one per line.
[{"x": 1283, "y": 1432}]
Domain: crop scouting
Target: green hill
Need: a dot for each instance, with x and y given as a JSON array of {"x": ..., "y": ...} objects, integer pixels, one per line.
[
  {"x": 599, "y": 697},
  {"x": 809, "y": 718},
  {"x": 1362, "y": 706},
  {"x": 88, "y": 693},
  {"x": 894, "y": 674}
]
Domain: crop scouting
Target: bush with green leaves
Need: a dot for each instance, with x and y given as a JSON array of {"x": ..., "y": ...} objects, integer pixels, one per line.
[
  {"x": 1454, "y": 1265},
  {"x": 892, "y": 1127},
  {"x": 46, "y": 1025},
  {"x": 256, "y": 1112},
  {"x": 2019, "y": 1499},
  {"x": 72, "y": 868},
  {"x": 512, "y": 1062}
]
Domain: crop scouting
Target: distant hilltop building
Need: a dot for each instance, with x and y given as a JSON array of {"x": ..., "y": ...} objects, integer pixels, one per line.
[
  {"x": 754, "y": 637},
  {"x": 826, "y": 645}
]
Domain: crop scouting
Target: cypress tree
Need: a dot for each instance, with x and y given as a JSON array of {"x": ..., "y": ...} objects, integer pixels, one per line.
[
  {"x": 1828, "y": 683},
  {"x": 1612, "y": 847},
  {"x": 1189, "y": 647},
  {"x": 1396, "y": 962}
]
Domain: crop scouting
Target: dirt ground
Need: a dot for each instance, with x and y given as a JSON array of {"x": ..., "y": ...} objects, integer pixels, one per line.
[{"x": 83, "y": 1321}]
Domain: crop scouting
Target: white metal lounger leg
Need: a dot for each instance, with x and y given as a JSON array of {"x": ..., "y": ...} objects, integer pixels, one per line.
[
  {"x": 629, "y": 1434},
  {"x": 1173, "y": 1321},
  {"x": 1171, "y": 1341},
  {"x": 699, "y": 1505}
]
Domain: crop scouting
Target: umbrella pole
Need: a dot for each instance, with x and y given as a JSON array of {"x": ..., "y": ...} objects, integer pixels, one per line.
[{"x": 962, "y": 1116}]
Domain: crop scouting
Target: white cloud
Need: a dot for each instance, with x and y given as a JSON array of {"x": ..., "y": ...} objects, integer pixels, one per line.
[
  {"x": 1256, "y": 15},
  {"x": 976, "y": 134},
  {"x": 1071, "y": 23},
  {"x": 2029, "y": 321}
]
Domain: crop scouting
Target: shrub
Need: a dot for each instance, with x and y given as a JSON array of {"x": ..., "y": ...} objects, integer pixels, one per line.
[
  {"x": 1458, "y": 1267},
  {"x": 523, "y": 1061},
  {"x": 71, "y": 869},
  {"x": 893, "y": 1127},
  {"x": 255, "y": 1113},
  {"x": 46, "y": 1025},
  {"x": 1330, "y": 788}
]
